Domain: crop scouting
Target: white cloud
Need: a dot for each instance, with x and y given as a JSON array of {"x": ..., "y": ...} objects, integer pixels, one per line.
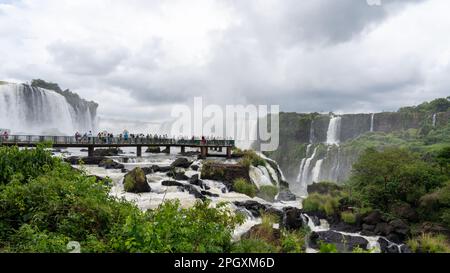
[{"x": 144, "y": 56}]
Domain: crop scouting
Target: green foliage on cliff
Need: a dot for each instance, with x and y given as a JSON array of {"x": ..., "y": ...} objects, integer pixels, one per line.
[
  {"x": 435, "y": 106},
  {"x": 427, "y": 243},
  {"x": 394, "y": 175},
  {"x": 323, "y": 203},
  {"x": 57, "y": 204},
  {"x": 22, "y": 164},
  {"x": 243, "y": 186}
]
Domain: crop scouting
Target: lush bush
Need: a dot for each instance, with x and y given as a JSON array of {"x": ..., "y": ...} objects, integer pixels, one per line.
[
  {"x": 380, "y": 179},
  {"x": 243, "y": 186},
  {"x": 253, "y": 246},
  {"x": 268, "y": 193},
  {"x": 293, "y": 241},
  {"x": 327, "y": 248},
  {"x": 427, "y": 243},
  {"x": 348, "y": 217},
  {"x": 250, "y": 157},
  {"x": 23, "y": 164},
  {"x": 62, "y": 204},
  {"x": 324, "y": 203}
]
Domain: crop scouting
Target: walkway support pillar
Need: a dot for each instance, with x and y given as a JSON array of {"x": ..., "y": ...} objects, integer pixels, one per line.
[
  {"x": 91, "y": 151},
  {"x": 228, "y": 152},
  {"x": 139, "y": 151},
  {"x": 183, "y": 149},
  {"x": 220, "y": 149},
  {"x": 204, "y": 151},
  {"x": 167, "y": 150}
]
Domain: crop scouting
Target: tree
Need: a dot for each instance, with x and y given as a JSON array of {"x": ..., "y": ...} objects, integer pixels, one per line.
[{"x": 382, "y": 178}]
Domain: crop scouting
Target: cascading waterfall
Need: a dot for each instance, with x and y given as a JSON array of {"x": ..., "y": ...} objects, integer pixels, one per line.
[
  {"x": 334, "y": 131},
  {"x": 31, "y": 110},
  {"x": 372, "y": 119},
  {"x": 434, "y": 120}
]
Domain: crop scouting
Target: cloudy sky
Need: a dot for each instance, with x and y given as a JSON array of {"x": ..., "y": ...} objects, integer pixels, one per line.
[{"x": 138, "y": 58}]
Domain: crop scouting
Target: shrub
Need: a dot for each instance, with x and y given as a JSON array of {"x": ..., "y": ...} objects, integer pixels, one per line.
[
  {"x": 348, "y": 217},
  {"x": 324, "y": 203},
  {"x": 293, "y": 242},
  {"x": 427, "y": 243},
  {"x": 243, "y": 186},
  {"x": 253, "y": 246},
  {"x": 24, "y": 164},
  {"x": 327, "y": 248},
  {"x": 250, "y": 157},
  {"x": 268, "y": 193}
]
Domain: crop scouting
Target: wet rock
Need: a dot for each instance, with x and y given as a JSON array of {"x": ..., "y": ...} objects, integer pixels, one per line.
[
  {"x": 344, "y": 227},
  {"x": 278, "y": 213},
  {"x": 405, "y": 211},
  {"x": 74, "y": 160},
  {"x": 210, "y": 194},
  {"x": 323, "y": 188},
  {"x": 110, "y": 164},
  {"x": 181, "y": 162},
  {"x": 184, "y": 187},
  {"x": 400, "y": 228},
  {"x": 194, "y": 180},
  {"x": 108, "y": 152},
  {"x": 153, "y": 150},
  {"x": 178, "y": 176},
  {"x": 147, "y": 170},
  {"x": 383, "y": 229},
  {"x": 292, "y": 219},
  {"x": 253, "y": 206},
  {"x": 195, "y": 167},
  {"x": 367, "y": 227},
  {"x": 162, "y": 169},
  {"x": 286, "y": 195},
  {"x": 373, "y": 218},
  {"x": 343, "y": 243},
  {"x": 258, "y": 231},
  {"x": 136, "y": 182},
  {"x": 388, "y": 247},
  {"x": 405, "y": 249}
]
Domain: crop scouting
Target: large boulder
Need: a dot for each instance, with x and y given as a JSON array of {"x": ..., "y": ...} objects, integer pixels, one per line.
[
  {"x": 292, "y": 218},
  {"x": 401, "y": 228},
  {"x": 343, "y": 243},
  {"x": 178, "y": 176},
  {"x": 383, "y": 229},
  {"x": 136, "y": 182},
  {"x": 186, "y": 187},
  {"x": 110, "y": 164},
  {"x": 286, "y": 195},
  {"x": 253, "y": 206},
  {"x": 153, "y": 150},
  {"x": 181, "y": 162},
  {"x": 108, "y": 152},
  {"x": 162, "y": 169},
  {"x": 373, "y": 218},
  {"x": 388, "y": 247},
  {"x": 194, "y": 180},
  {"x": 405, "y": 211},
  {"x": 75, "y": 160}
]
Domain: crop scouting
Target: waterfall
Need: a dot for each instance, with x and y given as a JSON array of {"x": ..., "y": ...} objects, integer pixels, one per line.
[
  {"x": 372, "y": 119},
  {"x": 302, "y": 163},
  {"x": 316, "y": 171},
  {"x": 434, "y": 120},
  {"x": 31, "y": 110},
  {"x": 334, "y": 131}
]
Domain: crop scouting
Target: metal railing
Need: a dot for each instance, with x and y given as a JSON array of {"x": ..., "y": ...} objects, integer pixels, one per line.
[{"x": 72, "y": 140}]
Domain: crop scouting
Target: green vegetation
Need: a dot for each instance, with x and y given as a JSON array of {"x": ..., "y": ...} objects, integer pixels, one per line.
[
  {"x": 243, "y": 186},
  {"x": 21, "y": 165},
  {"x": 319, "y": 202},
  {"x": 435, "y": 106},
  {"x": 427, "y": 243},
  {"x": 268, "y": 193},
  {"x": 42, "y": 210},
  {"x": 249, "y": 158},
  {"x": 348, "y": 217},
  {"x": 327, "y": 248},
  {"x": 265, "y": 239}
]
